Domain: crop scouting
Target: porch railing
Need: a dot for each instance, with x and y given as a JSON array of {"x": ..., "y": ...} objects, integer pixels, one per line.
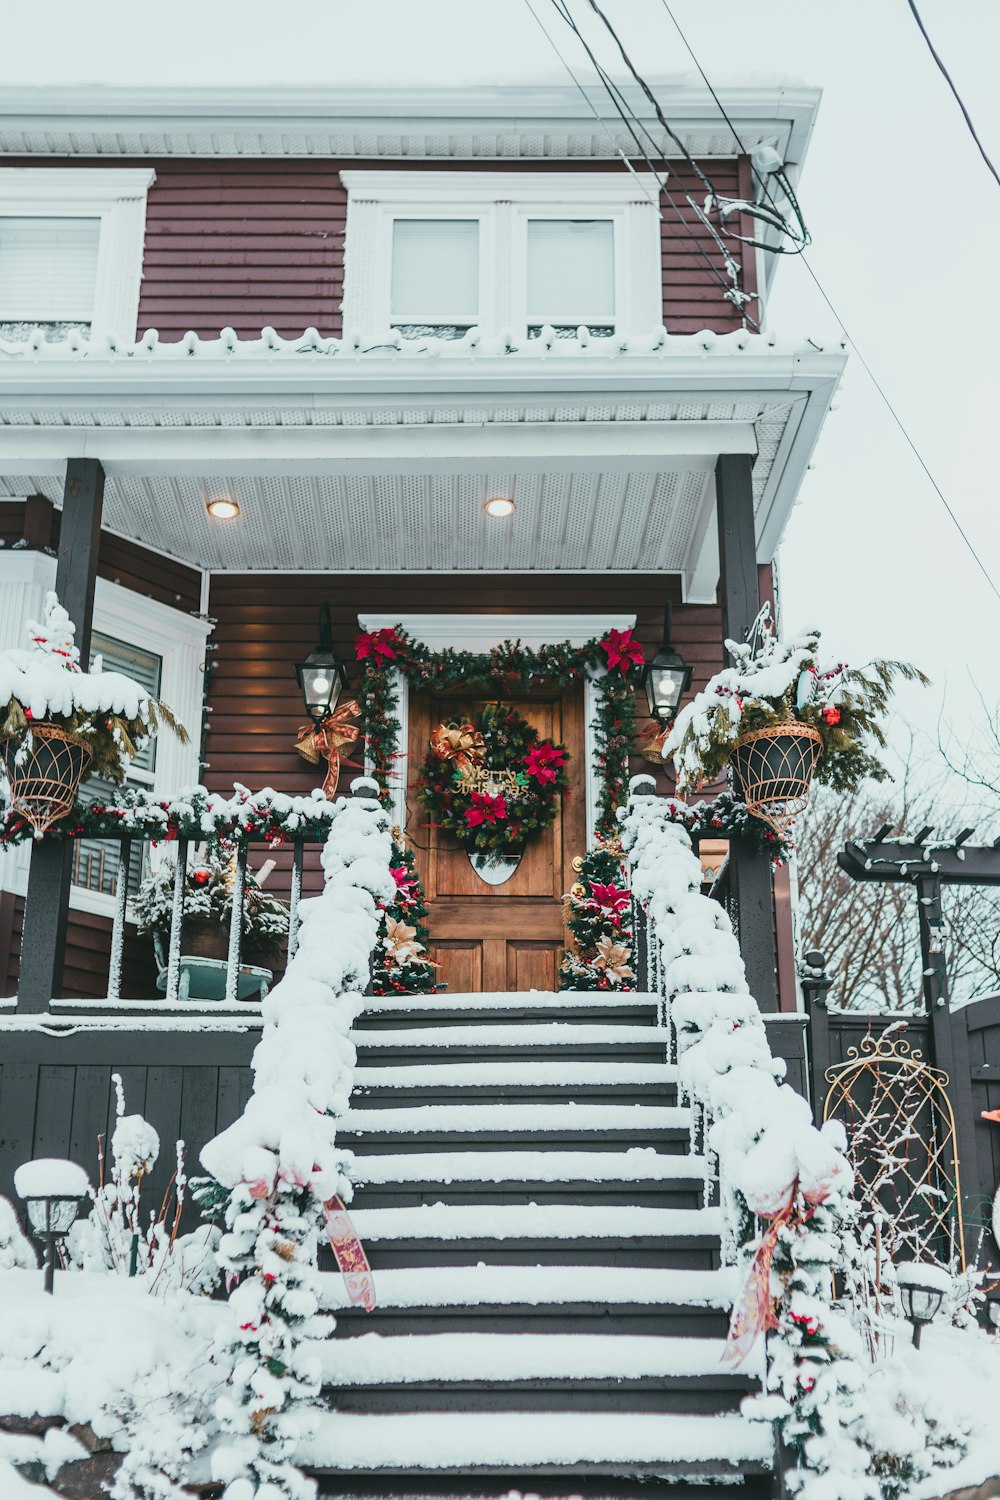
[{"x": 120, "y": 880}]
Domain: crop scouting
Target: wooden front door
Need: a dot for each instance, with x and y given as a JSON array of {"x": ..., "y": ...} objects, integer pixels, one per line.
[{"x": 508, "y": 937}]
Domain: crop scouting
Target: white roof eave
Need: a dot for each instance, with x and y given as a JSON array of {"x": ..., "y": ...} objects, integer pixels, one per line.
[{"x": 389, "y": 121}]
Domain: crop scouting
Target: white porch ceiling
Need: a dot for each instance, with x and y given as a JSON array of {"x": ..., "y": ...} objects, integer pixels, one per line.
[{"x": 584, "y": 521}]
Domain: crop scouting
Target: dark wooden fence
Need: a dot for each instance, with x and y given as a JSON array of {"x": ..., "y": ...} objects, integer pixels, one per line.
[{"x": 56, "y": 1092}]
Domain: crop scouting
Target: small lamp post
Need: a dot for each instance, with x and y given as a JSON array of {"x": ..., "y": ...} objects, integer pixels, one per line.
[
  {"x": 667, "y": 676},
  {"x": 922, "y": 1289},
  {"x": 51, "y": 1190},
  {"x": 322, "y": 676}
]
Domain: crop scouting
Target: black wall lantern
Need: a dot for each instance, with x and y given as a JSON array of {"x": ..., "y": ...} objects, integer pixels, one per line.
[
  {"x": 322, "y": 676},
  {"x": 667, "y": 677}
]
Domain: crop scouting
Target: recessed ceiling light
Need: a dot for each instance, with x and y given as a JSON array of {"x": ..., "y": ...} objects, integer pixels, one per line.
[
  {"x": 500, "y": 506},
  {"x": 223, "y": 509}
]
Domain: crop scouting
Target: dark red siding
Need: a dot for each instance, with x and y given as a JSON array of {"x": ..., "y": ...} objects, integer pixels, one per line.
[
  {"x": 266, "y": 623},
  {"x": 243, "y": 245},
  {"x": 255, "y": 244}
]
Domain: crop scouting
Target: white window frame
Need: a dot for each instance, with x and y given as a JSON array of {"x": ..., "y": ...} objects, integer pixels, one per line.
[
  {"x": 116, "y": 196},
  {"x": 503, "y": 202},
  {"x": 176, "y": 637}
]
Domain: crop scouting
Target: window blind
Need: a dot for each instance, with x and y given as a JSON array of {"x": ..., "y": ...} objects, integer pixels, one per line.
[
  {"x": 144, "y": 667},
  {"x": 48, "y": 269},
  {"x": 435, "y": 271},
  {"x": 571, "y": 271}
]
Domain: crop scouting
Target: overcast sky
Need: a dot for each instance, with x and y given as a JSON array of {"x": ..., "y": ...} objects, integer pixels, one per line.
[{"x": 904, "y": 215}]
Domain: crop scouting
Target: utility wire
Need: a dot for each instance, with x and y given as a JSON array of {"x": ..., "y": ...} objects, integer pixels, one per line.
[
  {"x": 853, "y": 342},
  {"x": 621, "y": 108},
  {"x": 950, "y": 82}
]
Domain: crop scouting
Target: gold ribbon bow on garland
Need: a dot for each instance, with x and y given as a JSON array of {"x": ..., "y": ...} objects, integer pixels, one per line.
[
  {"x": 328, "y": 739},
  {"x": 461, "y": 743}
]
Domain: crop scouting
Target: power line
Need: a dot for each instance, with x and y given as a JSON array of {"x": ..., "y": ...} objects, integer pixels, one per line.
[
  {"x": 949, "y": 81},
  {"x": 853, "y": 342},
  {"x": 621, "y": 108}
]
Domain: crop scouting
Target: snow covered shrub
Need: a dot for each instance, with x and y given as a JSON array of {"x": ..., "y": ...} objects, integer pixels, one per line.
[
  {"x": 789, "y": 1215},
  {"x": 283, "y": 1169},
  {"x": 777, "y": 682},
  {"x": 107, "y": 711},
  {"x": 16, "y": 1252},
  {"x": 114, "y": 1236}
]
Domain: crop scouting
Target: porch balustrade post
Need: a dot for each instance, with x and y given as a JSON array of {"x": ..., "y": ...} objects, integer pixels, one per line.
[
  {"x": 46, "y": 908},
  {"x": 749, "y": 869}
]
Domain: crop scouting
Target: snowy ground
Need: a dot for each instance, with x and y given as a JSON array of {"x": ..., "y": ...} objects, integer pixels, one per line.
[
  {"x": 94, "y": 1353},
  {"x": 101, "y": 1351}
]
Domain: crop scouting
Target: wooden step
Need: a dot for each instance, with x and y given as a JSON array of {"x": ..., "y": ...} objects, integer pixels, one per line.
[
  {"x": 378, "y": 1085},
  {"x": 510, "y": 1443},
  {"x": 525, "y": 1371},
  {"x": 549, "y": 1234},
  {"x": 560, "y": 1040},
  {"x": 747, "y": 1483},
  {"x": 523, "y": 1009},
  {"x": 547, "y": 1299},
  {"x": 645, "y": 1178}
]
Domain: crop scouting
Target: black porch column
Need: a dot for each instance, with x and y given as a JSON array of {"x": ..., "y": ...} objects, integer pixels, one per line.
[
  {"x": 749, "y": 870},
  {"x": 46, "y": 906}
]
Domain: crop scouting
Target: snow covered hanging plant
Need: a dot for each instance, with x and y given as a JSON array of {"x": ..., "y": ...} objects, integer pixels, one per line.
[
  {"x": 208, "y": 902},
  {"x": 59, "y": 723},
  {"x": 283, "y": 1170},
  {"x": 779, "y": 716}
]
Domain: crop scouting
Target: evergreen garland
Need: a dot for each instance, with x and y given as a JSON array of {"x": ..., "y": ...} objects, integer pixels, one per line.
[
  {"x": 613, "y": 662},
  {"x": 400, "y": 965},
  {"x": 599, "y": 917}
]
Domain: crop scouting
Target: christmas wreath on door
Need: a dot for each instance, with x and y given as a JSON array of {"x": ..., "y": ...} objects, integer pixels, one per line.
[{"x": 492, "y": 781}]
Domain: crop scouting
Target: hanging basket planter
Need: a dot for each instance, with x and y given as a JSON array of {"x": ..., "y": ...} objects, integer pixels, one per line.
[
  {"x": 773, "y": 768},
  {"x": 44, "y": 774}
]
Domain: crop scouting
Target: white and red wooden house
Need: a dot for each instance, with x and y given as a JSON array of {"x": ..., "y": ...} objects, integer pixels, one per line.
[
  {"x": 426, "y": 240},
  {"x": 368, "y": 309}
]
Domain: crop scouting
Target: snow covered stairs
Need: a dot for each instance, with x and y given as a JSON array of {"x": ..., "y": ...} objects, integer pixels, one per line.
[{"x": 551, "y": 1311}]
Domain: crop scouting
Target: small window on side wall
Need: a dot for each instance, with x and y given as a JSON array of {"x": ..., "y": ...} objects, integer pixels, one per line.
[
  {"x": 48, "y": 275},
  {"x": 435, "y": 277},
  {"x": 571, "y": 276},
  {"x": 95, "y": 861}
]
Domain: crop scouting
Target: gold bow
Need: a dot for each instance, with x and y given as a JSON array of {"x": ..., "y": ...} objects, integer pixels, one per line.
[
  {"x": 461, "y": 743},
  {"x": 327, "y": 739}
]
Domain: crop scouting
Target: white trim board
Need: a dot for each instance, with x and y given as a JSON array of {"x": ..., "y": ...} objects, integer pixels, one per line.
[{"x": 478, "y": 632}]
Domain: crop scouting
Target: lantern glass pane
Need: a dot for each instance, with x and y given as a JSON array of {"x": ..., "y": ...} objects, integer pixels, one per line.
[
  {"x": 668, "y": 685},
  {"x": 36, "y": 1214},
  {"x": 925, "y": 1303}
]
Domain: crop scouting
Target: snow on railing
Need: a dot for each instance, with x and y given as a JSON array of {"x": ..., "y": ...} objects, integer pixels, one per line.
[
  {"x": 785, "y": 1186},
  {"x": 473, "y": 345},
  {"x": 280, "y": 1161}
]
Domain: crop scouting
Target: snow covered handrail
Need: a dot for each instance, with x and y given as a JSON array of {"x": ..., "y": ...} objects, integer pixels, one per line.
[
  {"x": 785, "y": 1185},
  {"x": 280, "y": 1161}
]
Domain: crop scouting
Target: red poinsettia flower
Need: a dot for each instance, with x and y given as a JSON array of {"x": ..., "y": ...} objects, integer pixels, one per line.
[
  {"x": 405, "y": 883},
  {"x": 485, "y": 809},
  {"x": 622, "y": 650},
  {"x": 831, "y": 715},
  {"x": 544, "y": 761},
  {"x": 610, "y": 898},
  {"x": 376, "y": 645}
]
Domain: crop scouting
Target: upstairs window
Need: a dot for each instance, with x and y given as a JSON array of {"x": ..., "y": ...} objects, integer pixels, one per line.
[
  {"x": 437, "y": 253},
  {"x": 48, "y": 275},
  {"x": 435, "y": 277},
  {"x": 71, "y": 243},
  {"x": 571, "y": 276}
]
